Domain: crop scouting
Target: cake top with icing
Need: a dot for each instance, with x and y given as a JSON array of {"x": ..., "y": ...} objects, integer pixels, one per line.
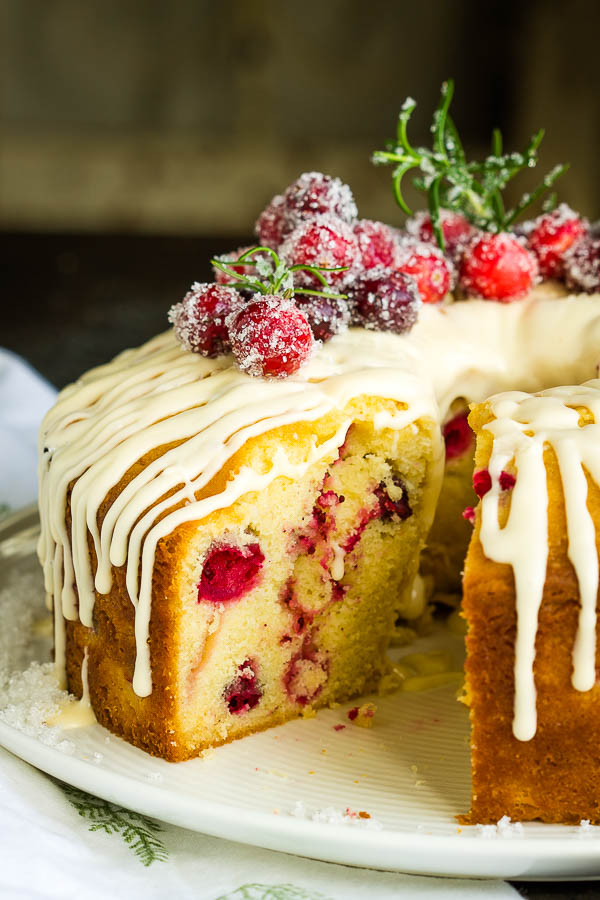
[{"x": 319, "y": 269}]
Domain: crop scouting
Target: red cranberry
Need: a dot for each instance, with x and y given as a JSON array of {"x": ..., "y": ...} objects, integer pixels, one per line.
[
  {"x": 482, "y": 482},
  {"x": 199, "y": 320},
  {"x": 326, "y": 316},
  {"x": 353, "y": 713},
  {"x": 376, "y": 244},
  {"x": 243, "y": 269},
  {"x": 322, "y": 241},
  {"x": 497, "y": 267},
  {"x": 458, "y": 436},
  {"x": 314, "y": 194},
  {"x": 244, "y": 692},
  {"x": 582, "y": 266},
  {"x": 507, "y": 481},
  {"x": 270, "y": 337},
  {"x": 390, "y": 509},
  {"x": 270, "y": 226},
  {"x": 428, "y": 267},
  {"x": 229, "y": 572},
  {"x": 306, "y": 674},
  {"x": 552, "y": 235},
  {"x": 469, "y": 514},
  {"x": 384, "y": 301},
  {"x": 456, "y": 229}
]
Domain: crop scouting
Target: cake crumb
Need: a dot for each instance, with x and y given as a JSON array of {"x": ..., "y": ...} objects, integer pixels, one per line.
[
  {"x": 308, "y": 713},
  {"x": 206, "y": 754},
  {"x": 363, "y": 715},
  {"x": 332, "y": 816}
]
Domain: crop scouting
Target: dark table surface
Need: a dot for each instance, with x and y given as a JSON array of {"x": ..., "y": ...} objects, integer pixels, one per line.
[{"x": 71, "y": 302}]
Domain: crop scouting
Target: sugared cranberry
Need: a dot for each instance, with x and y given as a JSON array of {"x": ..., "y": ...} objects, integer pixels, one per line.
[
  {"x": 228, "y": 259},
  {"x": 326, "y": 316},
  {"x": 458, "y": 436},
  {"x": 324, "y": 241},
  {"x": 384, "y": 301},
  {"x": 497, "y": 267},
  {"x": 482, "y": 482},
  {"x": 376, "y": 244},
  {"x": 428, "y": 267},
  {"x": 229, "y": 572},
  {"x": 507, "y": 480},
  {"x": 582, "y": 266},
  {"x": 270, "y": 337},
  {"x": 270, "y": 226},
  {"x": 552, "y": 235},
  {"x": 314, "y": 194},
  {"x": 456, "y": 229},
  {"x": 244, "y": 692},
  {"x": 199, "y": 320},
  {"x": 388, "y": 508}
]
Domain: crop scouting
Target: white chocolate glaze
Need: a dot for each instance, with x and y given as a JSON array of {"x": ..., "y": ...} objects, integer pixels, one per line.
[
  {"x": 160, "y": 395},
  {"x": 523, "y": 427}
]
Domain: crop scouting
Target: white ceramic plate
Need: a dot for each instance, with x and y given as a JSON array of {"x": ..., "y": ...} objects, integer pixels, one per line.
[{"x": 410, "y": 773}]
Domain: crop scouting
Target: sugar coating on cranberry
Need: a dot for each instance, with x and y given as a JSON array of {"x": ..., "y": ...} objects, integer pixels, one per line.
[
  {"x": 377, "y": 244},
  {"x": 498, "y": 267},
  {"x": 229, "y": 572},
  {"x": 228, "y": 259},
  {"x": 271, "y": 225},
  {"x": 551, "y": 235},
  {"x": 244, "y": 692},
  {"x": 384, "y": 300},
  {"x": 458, "y": 436},
  {"x": 482, "y": 482},
  {"x": 314, "y": 194},
  {"x": 270, "y": 336},
  {"x": 199, "y": 320},
  {"x": 457, "y": 230},
  {"x": 326, "y": 316},
  {"x": 582, "y": 266},
  {"x": 428, "y": 266},
  {"x": 324, "y": 241}
]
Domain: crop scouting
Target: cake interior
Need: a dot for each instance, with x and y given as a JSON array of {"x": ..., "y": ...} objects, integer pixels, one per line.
[{"x": 279, "y": 604}]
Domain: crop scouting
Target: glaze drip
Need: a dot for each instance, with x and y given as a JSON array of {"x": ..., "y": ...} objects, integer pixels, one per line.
[
  {"x": 523, "y": 427},
  {"x": 201, "y": 411}
]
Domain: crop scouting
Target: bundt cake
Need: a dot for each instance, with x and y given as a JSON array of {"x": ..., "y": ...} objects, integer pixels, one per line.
[
  {"x": 530, "y": 597},
  {"x": 235, "y": 515}
]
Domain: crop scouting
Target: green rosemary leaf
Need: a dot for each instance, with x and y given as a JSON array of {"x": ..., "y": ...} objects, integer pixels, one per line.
[
  {"x": 528, "y": 200},
  {"x": 433, "y": 198},
  {"x": 398, "y": 174},
  {"x": 453, "y": 143},
  {"x": 439, "y": 118},
  {"x": 405, "y": 113},
  {"x": 473, "y": 189}
]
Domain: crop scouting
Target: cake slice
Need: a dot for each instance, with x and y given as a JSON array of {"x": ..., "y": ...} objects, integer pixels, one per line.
[
  {"x": 530, "y": 599},
  {"x": 266, "y": 607}
]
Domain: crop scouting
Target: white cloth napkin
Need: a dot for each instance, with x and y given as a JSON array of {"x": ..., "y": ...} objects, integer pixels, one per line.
[{"x": 58, "y": 842}]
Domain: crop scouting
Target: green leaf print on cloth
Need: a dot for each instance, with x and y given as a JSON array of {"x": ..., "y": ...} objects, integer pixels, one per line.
[
  {"x": 138, "y": 831},
  {"x": 272, "y": 892}
]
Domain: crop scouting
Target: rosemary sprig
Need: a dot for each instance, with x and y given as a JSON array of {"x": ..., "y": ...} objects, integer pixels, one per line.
[
  {"x": 450, "y": 182},
  {"x": 275, "y": 276}
]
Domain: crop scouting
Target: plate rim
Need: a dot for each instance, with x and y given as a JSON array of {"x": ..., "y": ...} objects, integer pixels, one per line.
[
  {"x": 410, "y": 851},
  {"x": 519, "y": 858}
]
